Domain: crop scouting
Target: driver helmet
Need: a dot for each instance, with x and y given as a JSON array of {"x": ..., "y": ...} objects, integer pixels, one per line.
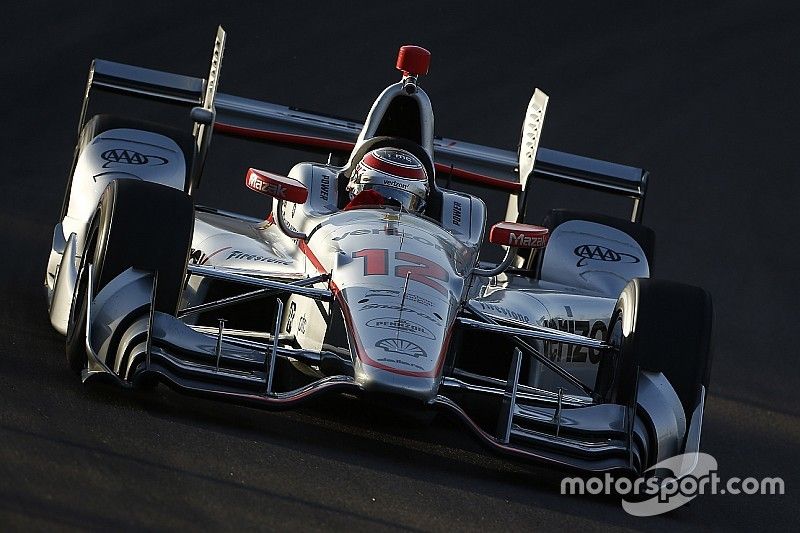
[{"x": 397, "y": 175}]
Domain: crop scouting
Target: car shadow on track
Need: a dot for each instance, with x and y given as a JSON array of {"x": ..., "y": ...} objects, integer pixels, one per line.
[{"x": 346, "y": 430}]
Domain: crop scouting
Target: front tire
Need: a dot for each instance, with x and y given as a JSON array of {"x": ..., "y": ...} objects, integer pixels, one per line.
[
  {"x": 660, "y": 326},
  {"x": 137, "y": 224}
]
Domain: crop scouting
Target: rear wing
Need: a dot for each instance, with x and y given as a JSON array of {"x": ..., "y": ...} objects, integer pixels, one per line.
[
  {"x": 462, "y": 161},
  {"x": 241, "y": 117}
]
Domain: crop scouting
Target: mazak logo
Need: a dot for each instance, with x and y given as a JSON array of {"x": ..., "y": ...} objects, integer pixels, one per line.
[
  {"x": 595, "y": 252},
  {"x": 401, "y": 324},
  {"x": 266, "y": 187},
  {"x": 522, "y": 240},
  {"x": 122, "y": 156}
]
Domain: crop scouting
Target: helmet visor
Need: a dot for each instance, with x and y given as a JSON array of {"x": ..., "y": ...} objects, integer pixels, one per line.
[{"x": 405, "y": 199}]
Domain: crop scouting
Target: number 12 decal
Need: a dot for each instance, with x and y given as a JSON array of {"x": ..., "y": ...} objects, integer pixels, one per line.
[{"x": 421, "y": 270}]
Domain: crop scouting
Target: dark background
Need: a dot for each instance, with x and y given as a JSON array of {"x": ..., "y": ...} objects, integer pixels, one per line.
[{"x": 705, "y": 97}]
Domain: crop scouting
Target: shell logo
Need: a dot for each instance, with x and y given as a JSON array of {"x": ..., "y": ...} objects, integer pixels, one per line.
[{"x": 401, "y": 346}]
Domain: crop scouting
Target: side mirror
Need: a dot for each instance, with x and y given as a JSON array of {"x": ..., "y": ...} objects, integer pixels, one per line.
[
  {"x": 514, "y": 235},
  {"x": 518, "y": 235},
  {"x": 277, "y": 186}
]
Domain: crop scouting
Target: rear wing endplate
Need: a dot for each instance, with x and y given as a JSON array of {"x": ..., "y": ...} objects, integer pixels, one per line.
[{"x": 195, "y": 94}]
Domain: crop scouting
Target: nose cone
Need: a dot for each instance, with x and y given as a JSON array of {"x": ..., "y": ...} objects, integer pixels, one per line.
[
  {"x": 377, "y": 380},
  {"x": 400, "y": 345},
  {"x": 397, "y": 282}
]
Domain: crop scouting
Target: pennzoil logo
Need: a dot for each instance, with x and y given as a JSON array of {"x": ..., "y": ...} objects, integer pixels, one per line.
[
  {"x": 595, "y": 252},
  {"x": 121, "y": 156},
  {"x": 402, "y": 325}
]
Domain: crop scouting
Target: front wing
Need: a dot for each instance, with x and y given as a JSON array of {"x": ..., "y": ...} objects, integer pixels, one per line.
[{"x": 130, "y": 343}]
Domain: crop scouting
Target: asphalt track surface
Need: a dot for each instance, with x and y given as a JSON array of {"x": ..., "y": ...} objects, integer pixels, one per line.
[{"x": 702, "y": 96}]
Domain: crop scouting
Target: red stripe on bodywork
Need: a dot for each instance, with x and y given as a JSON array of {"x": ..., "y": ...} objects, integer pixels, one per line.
[
  {"x": 480, "y": 179},
  {"x": 345, "y": 146},
  {"x": 313, "y": 258},
  {"x": 205, "y": 259},
  {"x": 277, "y": 136}
]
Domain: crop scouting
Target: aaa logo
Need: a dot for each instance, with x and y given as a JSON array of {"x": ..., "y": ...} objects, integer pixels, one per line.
[
  {"x": 131, "y": 157},
  {"x": 596, "y": 252}
]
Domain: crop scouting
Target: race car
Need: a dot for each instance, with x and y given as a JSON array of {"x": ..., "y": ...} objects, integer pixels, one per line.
[{"x": 366, "y": 277}]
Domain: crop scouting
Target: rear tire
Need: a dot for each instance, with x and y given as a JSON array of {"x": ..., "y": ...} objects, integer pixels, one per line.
[
  {"x": 660, "y": 326},
  {"x": 137, "y": 224}
]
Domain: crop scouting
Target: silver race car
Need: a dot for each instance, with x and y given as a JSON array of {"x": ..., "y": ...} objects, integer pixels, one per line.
[{"x": 366, "y": 277}]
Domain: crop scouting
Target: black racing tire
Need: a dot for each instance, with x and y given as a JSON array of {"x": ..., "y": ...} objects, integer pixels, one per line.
[
  {"x": 137, "y": 224},
  {"x": 660, "y": 326}
]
